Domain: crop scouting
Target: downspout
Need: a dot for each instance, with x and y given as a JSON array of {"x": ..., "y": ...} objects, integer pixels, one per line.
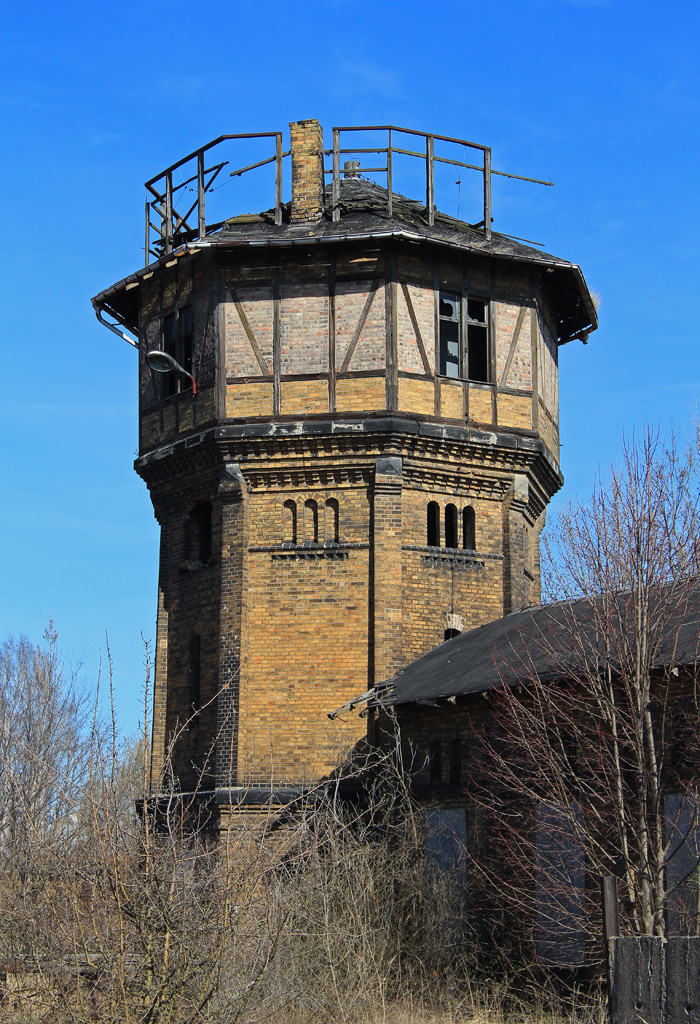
[{"x": 113, "y": 328}]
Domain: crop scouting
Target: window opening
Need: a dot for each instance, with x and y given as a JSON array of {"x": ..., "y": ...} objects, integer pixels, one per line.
[
  {"x": 464, "y": 341},
  {"x": 289, "y": 522},
  {"x": 449, "y": 633},
  {"x": 477, "y": 340},
  {"x": 177, "y": 342},
  {"x": 199, "y": 533},
  {"x": 449, "y": 309},
  {"x": 195, "y": 672},
  {"x": 332, "y": 517},
  {"x": 469, "y": 529},
  {"x": 311, "y": 521},
  {"x": 435, "y": 762},
  {"x": 455, "y": 760},
  {"x": 451, "y": 527},
  {"x": 434, "y": 524}
]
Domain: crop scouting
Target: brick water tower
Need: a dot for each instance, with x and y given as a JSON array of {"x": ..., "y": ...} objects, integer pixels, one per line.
[{"x": 348, "y": 425}]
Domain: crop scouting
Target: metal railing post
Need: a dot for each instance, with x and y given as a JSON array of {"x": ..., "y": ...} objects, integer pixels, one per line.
[
  {"x": 278, "y": 179},
  {"x": 389, "y": 178},
  {"x": 169, "y": 212},
  {"x": 335, "y": 191},
  {"x": 148, "y": 232},
  {"x": 201, "y": 218},
  {"x": 430, "y": 179},
  {"x": 487, "y": 193}
]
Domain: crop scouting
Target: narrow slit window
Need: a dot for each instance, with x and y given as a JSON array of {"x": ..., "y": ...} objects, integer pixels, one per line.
[
  {"x": 451, "y": 527},
  {"x": 289, "y": 522},
  {"x": 468, "y": 529},
  {"x": 311, "y": 521},
  {"x": 332, "y": 516},
  {"x": 434, "y": 524},
  {"x": 199, "y": 533}
]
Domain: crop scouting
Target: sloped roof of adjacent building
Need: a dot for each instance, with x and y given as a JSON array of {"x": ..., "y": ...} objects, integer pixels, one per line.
[{"x": 549, "y": 642}]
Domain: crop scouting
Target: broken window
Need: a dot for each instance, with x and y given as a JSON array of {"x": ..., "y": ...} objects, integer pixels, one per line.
[
  {"x": 177, "y": 342},
  {"x": 561, "y": 885},
  {"x": 464, "y": 340}
]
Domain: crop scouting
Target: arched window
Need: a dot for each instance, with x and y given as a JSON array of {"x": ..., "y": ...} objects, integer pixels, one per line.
[
  {"x": 434, "y": 524},
  {"x": 449, "y": 633},
  {"x": 332, "y": 517},
  {"x": 311, "y": 521},
  {"x": 289, "y": 522},
  {"x": 451, "y": 527},
  {"x": 468, "y": 529},
  {"x": 199, "y": 533}
]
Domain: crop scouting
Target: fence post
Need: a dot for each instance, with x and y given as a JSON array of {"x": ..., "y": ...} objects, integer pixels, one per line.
[{"x": 611, "y": 924}]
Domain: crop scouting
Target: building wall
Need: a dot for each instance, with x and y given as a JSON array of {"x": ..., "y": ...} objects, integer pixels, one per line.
[{"x": 288, "y": 631}]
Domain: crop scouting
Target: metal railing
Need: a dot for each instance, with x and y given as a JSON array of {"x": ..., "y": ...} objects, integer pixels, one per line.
[
  {"x": 174, "y": 227},
  {"x": 484, "y": 168},
  {"x": 167, "y": 227}
]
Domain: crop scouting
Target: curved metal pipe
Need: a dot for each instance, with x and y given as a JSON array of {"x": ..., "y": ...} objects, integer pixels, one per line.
[{"x": 115, "y": 330}]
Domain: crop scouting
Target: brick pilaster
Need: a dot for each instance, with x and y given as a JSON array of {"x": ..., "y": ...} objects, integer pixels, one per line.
[
  {"x": 232, "y": 491},
  {"x": 387, "y": 567},
  {"x": 516, "y": 588}
]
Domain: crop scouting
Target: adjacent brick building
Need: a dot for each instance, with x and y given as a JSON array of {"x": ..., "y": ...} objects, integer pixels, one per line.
[{"x": 363, "y": 470}]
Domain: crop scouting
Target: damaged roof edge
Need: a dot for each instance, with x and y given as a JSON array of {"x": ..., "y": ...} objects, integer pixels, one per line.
[{"x": 105, "y": 297}]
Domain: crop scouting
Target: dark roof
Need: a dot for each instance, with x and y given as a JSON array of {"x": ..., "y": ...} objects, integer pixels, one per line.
[
  {"x": 364, "y": 217},
  {"x": 551, "y": 642},
  {"x": 364, "y": 214}
]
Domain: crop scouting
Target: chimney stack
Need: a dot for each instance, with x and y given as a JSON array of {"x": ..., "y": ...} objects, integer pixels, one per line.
[{"x": 307, "y": 171}]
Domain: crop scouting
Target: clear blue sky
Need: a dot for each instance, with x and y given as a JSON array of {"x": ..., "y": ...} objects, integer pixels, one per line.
[{"x": 603, "y": 96}]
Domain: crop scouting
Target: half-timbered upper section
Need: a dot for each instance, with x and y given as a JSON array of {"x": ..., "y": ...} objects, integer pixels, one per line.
[{"x": 347, "y": 301}]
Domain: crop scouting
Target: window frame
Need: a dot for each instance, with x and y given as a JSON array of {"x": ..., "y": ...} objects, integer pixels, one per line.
[
  {"x": 468, "y": 330},
  {"x": 177, "y": 339}
]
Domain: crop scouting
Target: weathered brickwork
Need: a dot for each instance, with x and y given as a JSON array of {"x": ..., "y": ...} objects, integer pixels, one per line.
[{"x": 331, "y": 507}]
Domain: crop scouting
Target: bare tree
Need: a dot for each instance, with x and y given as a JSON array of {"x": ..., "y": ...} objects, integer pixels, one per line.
[{"x": 591, "y": 767}]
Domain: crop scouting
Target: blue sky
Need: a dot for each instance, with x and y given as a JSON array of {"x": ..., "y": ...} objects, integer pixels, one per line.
[{"x": 601, "y": 96}]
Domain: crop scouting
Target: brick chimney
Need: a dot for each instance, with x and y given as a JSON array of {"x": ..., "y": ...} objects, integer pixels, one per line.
[{"x": 307, "y": 171}]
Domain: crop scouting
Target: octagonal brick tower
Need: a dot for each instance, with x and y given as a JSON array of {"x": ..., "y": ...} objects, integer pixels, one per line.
[{"x": 364, "y": 467}]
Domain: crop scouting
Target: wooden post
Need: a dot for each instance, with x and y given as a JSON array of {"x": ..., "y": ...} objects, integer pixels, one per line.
[{"x": 611, "y": 924}]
